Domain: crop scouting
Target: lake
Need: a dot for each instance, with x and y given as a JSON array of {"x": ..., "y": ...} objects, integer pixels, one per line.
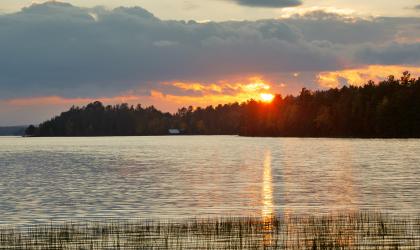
[{"x": 44, "y": 179}]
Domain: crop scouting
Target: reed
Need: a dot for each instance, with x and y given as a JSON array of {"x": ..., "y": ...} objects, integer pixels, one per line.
[{"x": 364, "y": 230}]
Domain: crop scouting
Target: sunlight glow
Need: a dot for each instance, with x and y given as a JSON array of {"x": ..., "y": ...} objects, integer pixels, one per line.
[
  {"x": 225, "y": 91},
  {"x": 266, "y": 97}
]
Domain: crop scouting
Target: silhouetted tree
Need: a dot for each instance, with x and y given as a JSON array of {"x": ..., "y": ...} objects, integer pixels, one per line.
[
  {"x": 30, "y": 131},
  {"x": 390, "y": 108}
]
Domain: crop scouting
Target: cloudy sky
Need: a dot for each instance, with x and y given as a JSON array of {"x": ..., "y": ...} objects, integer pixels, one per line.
[{"x": 173, "y": 53}]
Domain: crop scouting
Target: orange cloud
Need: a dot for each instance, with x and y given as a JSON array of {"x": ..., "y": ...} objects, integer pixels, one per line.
[
  {"x": 197, "y": 86},
  {"x": 218, "y": 93},
  {"x": 250, "y": 85},
  {"x": 360, "y": 76}
]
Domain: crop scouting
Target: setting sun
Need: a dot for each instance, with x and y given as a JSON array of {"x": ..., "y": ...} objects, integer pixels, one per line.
[{"x": 265, "y": 97}]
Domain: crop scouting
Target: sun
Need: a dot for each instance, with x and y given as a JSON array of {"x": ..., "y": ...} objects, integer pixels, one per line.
[{"x": 266, "y": 97}]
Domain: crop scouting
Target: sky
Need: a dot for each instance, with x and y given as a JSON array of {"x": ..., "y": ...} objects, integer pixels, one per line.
[
  {"x": 174, "y": 53},
  {"x": 222, "y": 10}
]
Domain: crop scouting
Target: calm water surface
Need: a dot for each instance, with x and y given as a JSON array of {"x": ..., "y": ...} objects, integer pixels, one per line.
[{"x": 43, "y": 179}]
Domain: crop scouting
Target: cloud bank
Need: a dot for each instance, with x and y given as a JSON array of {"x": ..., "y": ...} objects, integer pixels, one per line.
[{"x": 59, "y": 50}]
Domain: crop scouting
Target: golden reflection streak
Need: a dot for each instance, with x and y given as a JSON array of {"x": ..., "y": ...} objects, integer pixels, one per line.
[{"x": 267, "y": 211}]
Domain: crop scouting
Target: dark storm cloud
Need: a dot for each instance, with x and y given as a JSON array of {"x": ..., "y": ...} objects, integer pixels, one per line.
[
  {"x": 59, "y": 49},
  {"x": 269, "y": 3},
  {"x": 390, "y": 54}
]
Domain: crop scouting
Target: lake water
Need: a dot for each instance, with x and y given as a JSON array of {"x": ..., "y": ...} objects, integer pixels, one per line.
[{"x": 43, "y": 179}]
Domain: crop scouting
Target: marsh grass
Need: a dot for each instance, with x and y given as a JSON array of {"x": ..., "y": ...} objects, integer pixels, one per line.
[{"x": 365, "y": 230}]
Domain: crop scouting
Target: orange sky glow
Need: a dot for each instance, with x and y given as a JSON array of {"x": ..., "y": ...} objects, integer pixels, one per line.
[
  {"x": 200, "y": 94},
  {"x": 204, "y": 94},
  {"x": 360, "y": 76}
]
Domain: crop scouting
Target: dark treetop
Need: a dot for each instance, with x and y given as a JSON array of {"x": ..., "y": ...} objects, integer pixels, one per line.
[{"x": 390, "y": 109}]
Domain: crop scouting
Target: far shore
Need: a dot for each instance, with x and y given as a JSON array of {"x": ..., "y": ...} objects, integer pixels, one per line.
[{"x": 243, "y": 136}]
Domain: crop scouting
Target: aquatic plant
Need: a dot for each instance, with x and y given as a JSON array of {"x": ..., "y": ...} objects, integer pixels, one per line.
[{"x": 364, "y": 230}]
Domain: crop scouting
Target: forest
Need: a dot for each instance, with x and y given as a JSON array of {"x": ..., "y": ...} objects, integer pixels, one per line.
[{"x": 388, "y": 109}]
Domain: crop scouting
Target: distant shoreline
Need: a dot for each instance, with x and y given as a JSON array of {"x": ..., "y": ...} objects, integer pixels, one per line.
[
  {"x": 13, "y": 130},
  {"x": 389, "y": 109},
  {"x": 242, "y": 136}
]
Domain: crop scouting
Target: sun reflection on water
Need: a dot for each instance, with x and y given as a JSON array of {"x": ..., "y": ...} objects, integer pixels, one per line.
[
  {"x": 267, "y": 191},
  {"x": 267, "y": 211}
]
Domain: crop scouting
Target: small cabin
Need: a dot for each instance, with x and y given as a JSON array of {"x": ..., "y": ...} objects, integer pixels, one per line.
[{"x": 174, "y": 131}]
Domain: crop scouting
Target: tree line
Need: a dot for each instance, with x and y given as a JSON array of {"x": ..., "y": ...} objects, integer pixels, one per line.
[{"x": 389, "y": 109}]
